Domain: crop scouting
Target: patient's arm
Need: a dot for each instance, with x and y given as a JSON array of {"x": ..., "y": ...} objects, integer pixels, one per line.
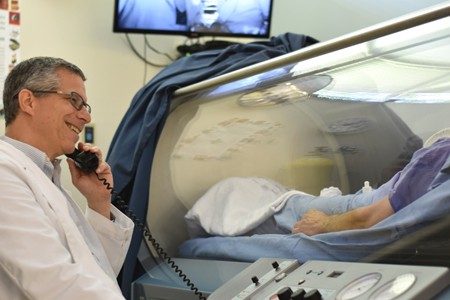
[{"x": 315, "y": 222}]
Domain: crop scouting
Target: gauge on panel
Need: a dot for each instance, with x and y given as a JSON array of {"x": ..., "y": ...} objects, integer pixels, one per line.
[
  {"x": 394, "y": 288},
  {"x": 359, "y": 286}
]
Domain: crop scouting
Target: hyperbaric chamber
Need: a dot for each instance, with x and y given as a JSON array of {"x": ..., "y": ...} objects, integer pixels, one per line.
[{"x": 335, "y": 120}]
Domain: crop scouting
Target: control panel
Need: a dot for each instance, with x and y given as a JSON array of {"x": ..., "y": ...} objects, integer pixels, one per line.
[{"x": 287, "y": 279}]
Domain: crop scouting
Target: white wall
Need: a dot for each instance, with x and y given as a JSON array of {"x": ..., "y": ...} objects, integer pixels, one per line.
[
  {"x": 326, "y": 19},
  {"x": 81, "y": 32}
]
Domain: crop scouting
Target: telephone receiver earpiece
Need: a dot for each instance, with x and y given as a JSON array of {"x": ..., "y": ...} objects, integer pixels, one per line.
[{"x": 86, "y": 161}]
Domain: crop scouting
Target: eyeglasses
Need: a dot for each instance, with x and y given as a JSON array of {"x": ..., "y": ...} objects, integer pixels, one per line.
[{"x": 75, "y": 99}]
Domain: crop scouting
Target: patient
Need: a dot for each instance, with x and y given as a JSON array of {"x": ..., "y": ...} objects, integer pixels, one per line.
[
  {"x": 225, "y": 210},
  {"x": 417, "y": 178}
]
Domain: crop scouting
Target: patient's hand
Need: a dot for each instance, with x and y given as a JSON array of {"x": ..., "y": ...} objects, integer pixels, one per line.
[{"x": 313, "y": 222}]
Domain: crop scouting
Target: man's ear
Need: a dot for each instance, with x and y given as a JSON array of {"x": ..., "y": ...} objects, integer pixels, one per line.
[{"x": 26, "y": 101}]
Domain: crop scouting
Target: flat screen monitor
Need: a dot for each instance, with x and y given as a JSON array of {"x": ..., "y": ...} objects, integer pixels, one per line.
[{"x": 194, "y": 18}]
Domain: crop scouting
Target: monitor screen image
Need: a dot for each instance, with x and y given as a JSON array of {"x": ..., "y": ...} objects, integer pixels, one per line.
[{"x": 194, "y": 18}]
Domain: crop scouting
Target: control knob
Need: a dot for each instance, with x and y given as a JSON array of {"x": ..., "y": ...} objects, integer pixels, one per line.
[
  {"x": 313, "y": 295},
  {"x": 285, "y": 293},
  {"x": 298, "y": 295}
]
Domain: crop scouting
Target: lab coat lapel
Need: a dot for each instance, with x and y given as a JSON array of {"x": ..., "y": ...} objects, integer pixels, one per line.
[{"x": 75, "y": 241}]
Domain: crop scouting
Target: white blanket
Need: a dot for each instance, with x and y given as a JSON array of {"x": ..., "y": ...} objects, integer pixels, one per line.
[{"x": 236, "y": 205}]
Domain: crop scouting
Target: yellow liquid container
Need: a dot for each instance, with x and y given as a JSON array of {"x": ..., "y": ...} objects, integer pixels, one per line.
[{"x": 310, "y": 174}]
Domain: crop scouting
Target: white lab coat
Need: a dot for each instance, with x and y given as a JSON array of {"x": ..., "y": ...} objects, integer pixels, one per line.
[{"x": 42, "y": 253}]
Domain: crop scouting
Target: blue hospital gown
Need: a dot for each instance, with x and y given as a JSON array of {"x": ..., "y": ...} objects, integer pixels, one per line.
[{"x": 420, "y": 175}]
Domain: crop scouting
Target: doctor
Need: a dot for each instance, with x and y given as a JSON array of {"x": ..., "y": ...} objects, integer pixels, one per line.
[{"x": 48, "y": 248}]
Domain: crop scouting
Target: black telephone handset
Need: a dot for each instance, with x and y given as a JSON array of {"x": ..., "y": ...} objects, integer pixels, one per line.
[{"x": 88, "y": 162}]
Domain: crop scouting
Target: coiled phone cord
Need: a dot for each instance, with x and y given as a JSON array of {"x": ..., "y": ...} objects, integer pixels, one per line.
[{"x": 121, "y": 204}]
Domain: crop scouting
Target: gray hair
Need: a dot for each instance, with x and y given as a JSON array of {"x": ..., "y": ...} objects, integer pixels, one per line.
[{"x": 38, "y": 73}]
